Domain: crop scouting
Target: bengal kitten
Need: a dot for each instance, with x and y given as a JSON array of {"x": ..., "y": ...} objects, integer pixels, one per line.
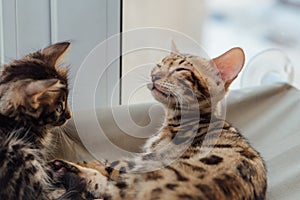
[
  {"x": 33, "y": 100},
  {"x": 195, "y": 154}
]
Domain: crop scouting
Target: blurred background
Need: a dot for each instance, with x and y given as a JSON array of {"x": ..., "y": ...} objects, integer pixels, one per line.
[
  {"x": 218, "y": 25},
  {"x": 256, "y": 27},
  {"x": 119, "y": 68}
]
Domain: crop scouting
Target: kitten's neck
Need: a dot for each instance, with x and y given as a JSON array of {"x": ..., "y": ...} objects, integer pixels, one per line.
[
  {"x": 12, "y": 125},
  {"x": 197, "y": 112}
]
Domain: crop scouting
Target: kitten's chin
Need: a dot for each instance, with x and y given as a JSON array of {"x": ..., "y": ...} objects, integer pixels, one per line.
[
  {"x": 159, "y": 96},
  {"x": 167, "y": 100},
  {"x": 60, "y": 123}
]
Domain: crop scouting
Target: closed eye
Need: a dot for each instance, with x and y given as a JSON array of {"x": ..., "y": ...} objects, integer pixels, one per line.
[{"x": 181, "y": 69}]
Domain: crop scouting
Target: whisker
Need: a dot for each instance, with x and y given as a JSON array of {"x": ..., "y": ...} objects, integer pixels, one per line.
[{"x": 143, "y": 78}]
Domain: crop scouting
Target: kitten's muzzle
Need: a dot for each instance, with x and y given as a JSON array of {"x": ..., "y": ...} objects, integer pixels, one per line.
[
  {"x": 63, "y": 118},
  {"x": 157, "y": 90}
]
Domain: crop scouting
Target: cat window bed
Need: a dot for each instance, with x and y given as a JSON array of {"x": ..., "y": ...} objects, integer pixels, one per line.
[{"x": 267, "y": 115}]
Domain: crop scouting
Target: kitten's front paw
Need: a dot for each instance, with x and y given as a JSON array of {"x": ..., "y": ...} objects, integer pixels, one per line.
[
  {"x": 92, "y": 178},
  {"x": 66, "y": 174},
  {"x": 61, "y": 167},
  {"x": 60, "y": 170}
]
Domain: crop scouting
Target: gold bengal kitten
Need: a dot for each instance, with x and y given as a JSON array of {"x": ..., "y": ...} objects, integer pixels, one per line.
[{"x": 195, "y": 154}]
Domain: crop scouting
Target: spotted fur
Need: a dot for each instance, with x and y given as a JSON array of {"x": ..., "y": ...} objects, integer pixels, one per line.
[
  {"x": 33, "y": 101},
  {"x": 195, "y": 154}
]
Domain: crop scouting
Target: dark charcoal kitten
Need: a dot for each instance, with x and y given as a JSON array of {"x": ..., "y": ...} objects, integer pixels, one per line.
[{"x": 33, "y": 100}]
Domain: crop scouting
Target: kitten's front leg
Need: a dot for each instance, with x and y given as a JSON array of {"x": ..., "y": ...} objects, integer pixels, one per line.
[
  {"x": 111, "y": 170},
  {"x": 95, "y": 164}
]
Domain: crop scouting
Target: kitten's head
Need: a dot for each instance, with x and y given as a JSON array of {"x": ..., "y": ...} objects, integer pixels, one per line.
[
  {"x": 34, "y": 90},
  {"x": 186, "y": 78}
]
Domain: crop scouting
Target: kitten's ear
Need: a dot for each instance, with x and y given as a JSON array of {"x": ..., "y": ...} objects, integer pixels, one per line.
[
  {"x": 174, "y": 48},
  {"x": 36, "y": 88},
  {"x": 230, "y": 64},
  {"x": 55, "y": 52}
]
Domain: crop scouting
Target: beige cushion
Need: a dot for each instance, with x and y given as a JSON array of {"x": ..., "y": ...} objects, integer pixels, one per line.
[{"x": 269, "y": 116}]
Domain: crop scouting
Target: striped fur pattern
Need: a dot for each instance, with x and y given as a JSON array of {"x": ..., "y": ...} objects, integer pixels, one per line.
[
  {"x": 33, "y": 100},
  {"x": 185, "y": 160}
]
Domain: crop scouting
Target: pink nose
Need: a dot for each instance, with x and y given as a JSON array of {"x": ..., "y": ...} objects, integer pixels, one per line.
[{"x": 155, "y": 77}]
